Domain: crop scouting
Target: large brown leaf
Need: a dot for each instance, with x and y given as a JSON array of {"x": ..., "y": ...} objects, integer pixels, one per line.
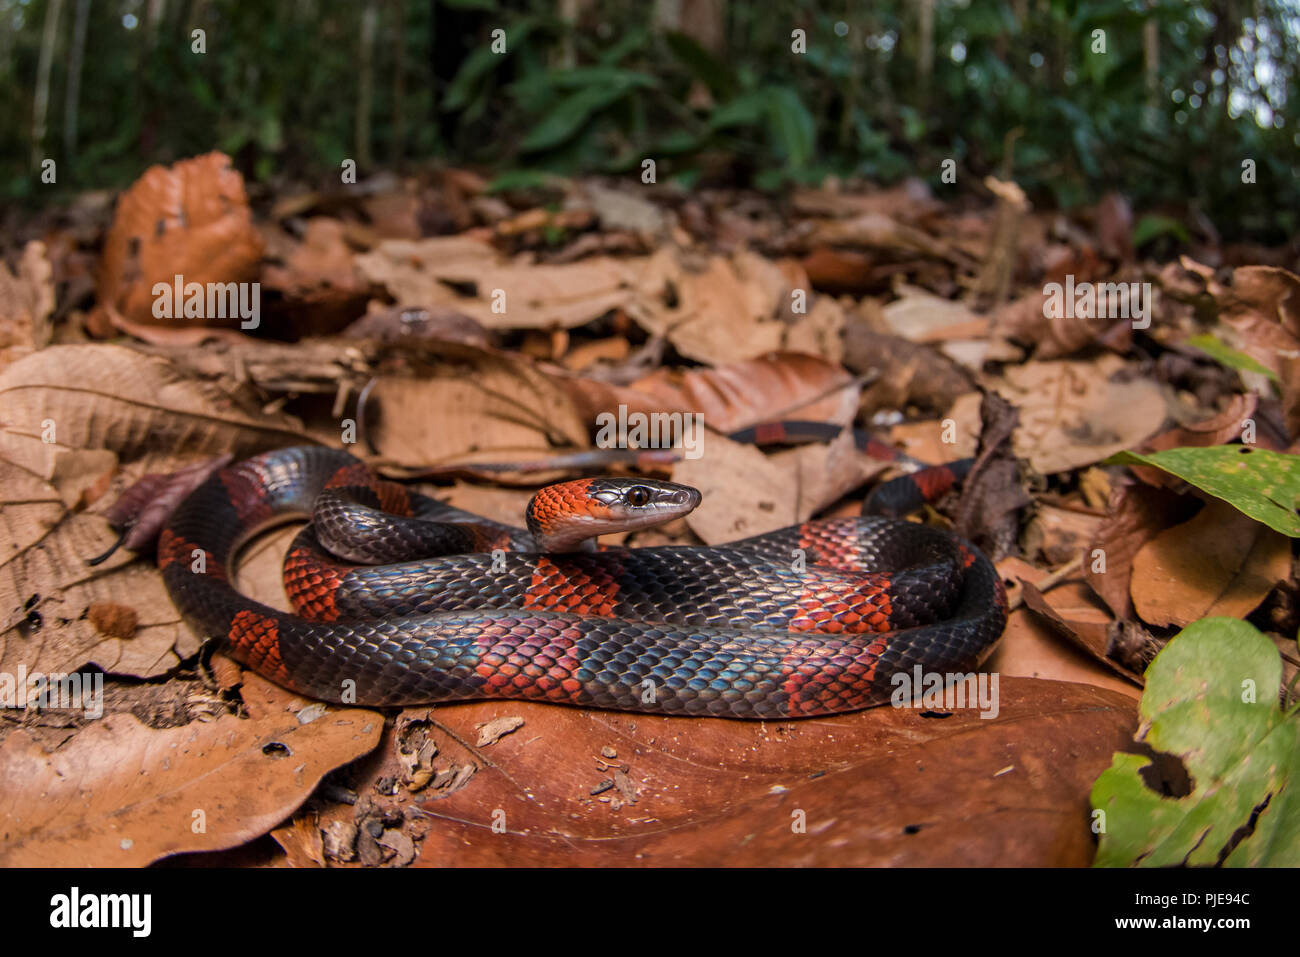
[
  {"x": 190, "y": 219},
  {"x": 473, "y": 405},
  {"x": 878, "y": 787},
  {"x": 102, "y": 406},
  {"x": 784, "y": 385},
  {"x": 123, "y": 794},
  {"x": 1220, "y": 563}
]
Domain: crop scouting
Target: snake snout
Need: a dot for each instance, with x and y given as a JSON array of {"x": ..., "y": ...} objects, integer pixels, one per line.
[{"x": 566, "y": 516}]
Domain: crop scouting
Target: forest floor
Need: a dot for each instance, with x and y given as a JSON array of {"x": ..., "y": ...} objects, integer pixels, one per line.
[{"x": 471, "y": 340}]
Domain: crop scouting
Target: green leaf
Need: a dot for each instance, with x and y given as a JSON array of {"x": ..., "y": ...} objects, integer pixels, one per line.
[
  {"x": 790, "y": 126},
  {"x": 1153, "y": 226},
  {"x": 704, "y": 66},
  {"x": 522, "y": 179},
  {"x": 748, "y": 109},
  {"x": 482, "y": 62},
  {"x": 1264, "y": 485},
  {"x": 1225, "y": 355},
  {"x": 568, "y": 116},
  {"x": 1211, "y": 700}
]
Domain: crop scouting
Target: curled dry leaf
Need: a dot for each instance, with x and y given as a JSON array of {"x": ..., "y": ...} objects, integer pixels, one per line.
[
  {"x": 1221, "y": 563},
  {"x": 992, "y": 496},
  {"x": 122, "y": 794},
  {"x": 113, "y": 397},
  {"x": 909, "y": 374},
  {"x": 1263, "y": 309},
  {"x": 473, "y": 405},
  {"x": 1057, "y": 335},
  {"x": 190, "y": 219},
  {"x": 733, "y": 396},
  {"x": 26, "y": 301},
  {"x": 748, "y": 493},
  {"x": 875, "y": 230},
  {"x": 468, "y": 275},
  {"x": 1135, "y": 514},
  {"x": 980, "y": 791},
  {"x": 1075, "y": 615},
  {"x": 145, "y": 506},
  {"x": 1054, "y": 635},
  {"x": 1074, "y": 414},
  {"x": 724, "y": 311},
  {"x": 93, "y": 399},
  {"x": 919, "y": 316},
  {"x": 320, "y": 287}
]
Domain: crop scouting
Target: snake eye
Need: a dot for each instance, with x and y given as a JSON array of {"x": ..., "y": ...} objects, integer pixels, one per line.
[{"x": 638, "y": 495}]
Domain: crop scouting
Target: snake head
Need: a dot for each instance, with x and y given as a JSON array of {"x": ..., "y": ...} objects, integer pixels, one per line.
[{"x": 565, "y": 517}]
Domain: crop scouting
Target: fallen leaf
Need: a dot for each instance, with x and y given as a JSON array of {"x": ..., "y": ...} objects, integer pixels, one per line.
[
  {"x": 190, "y": 219},
  {"x": 1074, "y": 414},
  {"x": 1221, "y": 563},
  {"x": 884, "y": 786},
  {"x": 125, "y": 795}
]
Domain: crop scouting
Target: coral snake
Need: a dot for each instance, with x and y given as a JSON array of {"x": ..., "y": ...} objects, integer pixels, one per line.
[{"x": 807, "y": 620}]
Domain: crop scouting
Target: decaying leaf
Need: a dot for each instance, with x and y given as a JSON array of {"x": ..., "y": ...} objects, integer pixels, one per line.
[
  {"x": 980, "y": 791},
  {"x": 190, "y": 220},
  {"x": 122, "y": 794}
]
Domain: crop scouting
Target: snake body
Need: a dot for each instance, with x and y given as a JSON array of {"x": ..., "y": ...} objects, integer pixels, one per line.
[{"x": 811, "y": 619}]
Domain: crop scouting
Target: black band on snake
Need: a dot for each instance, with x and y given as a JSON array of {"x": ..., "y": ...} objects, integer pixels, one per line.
[{"x": 812, "y": 619}]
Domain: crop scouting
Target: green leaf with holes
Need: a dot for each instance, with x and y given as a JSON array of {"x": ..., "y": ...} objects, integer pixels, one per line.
[
  {"x": 1263, "y": 484},
  {"x": 1211, "y": 701}
]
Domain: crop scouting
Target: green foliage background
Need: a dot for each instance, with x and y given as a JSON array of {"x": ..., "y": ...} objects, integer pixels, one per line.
[{"x": 277, "y": 88}]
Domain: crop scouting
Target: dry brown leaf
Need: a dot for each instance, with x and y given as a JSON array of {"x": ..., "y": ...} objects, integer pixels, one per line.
[
  {"x": 875, "y": 230},
  {"x": 1076, "y": 615},
  {"x": 1263, "y": 309},
  {"x": 1058, "y": 534},
  {"x": 908, "y": 374},
  {"x": 113, "y": 397},
  {"x": 1135, "y": 514},
  {"x": 26, "y": 302},
  {"x": 885, "y": 786},
  {"x": 824, "y": 472},
  {"x": 748, "y": 493},
  {"x": 925, "y": 440},
  {"x": 301, "y": 840},
  {"x": 843, "y": 271},
  {"x": 475, "y": 405},
  {"x": 722, "y": 313},
  {"x": 733, "y": 396},
  {"x": 47, "y": 589},
  {"x": 744, "y": 491},
  {"x": 1074, "y": 414},
  {"x": 1220, "y": 563},
  {"x": 468, "y": 275},
  {"x": 819, "y": 332},
  {"x": 123, "y": 794},
  {"x": 919, "y": 316},
  {"x": 96, "y": 402},
  {"x": 190, "y": 219},
  {"x": 1032, "y": 648}
]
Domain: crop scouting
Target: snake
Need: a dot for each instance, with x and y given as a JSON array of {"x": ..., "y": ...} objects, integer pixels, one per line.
[{"x": 399, "y": 599}]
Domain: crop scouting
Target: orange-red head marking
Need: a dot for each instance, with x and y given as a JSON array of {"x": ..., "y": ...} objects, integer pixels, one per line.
[{"x": 566, "y": 517}]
